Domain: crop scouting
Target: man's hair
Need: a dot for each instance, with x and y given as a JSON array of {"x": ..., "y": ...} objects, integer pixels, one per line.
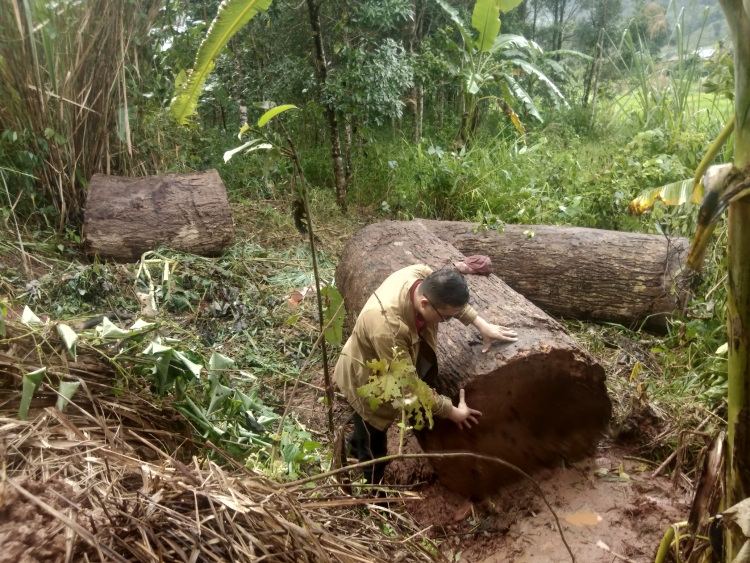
[{"x": 446, "y": 288}]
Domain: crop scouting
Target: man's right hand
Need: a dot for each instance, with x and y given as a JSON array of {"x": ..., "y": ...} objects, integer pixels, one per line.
[{"x": 462, "y": 414}]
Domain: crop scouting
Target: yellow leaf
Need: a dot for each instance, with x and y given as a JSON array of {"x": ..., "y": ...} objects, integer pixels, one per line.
[
  {"x": 380, "y": 366},
  {"x": 637, "y": 369}
]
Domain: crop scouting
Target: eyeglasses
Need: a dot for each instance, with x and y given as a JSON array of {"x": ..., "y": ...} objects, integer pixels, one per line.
[{"x": 442, "y": 318}]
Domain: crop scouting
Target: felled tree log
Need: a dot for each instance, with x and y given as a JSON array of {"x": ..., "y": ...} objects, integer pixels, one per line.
[
  {"x": 126, "y": 217},
  {"x": 579, "y": 273},
  {"x": 542, "y": 398}
]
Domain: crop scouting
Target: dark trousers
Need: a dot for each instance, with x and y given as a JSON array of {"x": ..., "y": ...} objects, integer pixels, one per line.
[{"x": 368, "y": 443}]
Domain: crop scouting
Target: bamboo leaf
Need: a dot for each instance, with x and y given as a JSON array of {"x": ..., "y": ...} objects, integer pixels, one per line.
[
  {"x": 29, "y": 318},
  {"x": 31, "y": 382},
  {"x": 66, "y": 391},
  {"x": 220, "y": 362},
  {"x": 486, "y": 20},
  {"x": 69, "y": 338},
  {"x": 220, "y": 395},
  {"x": 231, "y": 17},
  {"x": 271, "y": 113},
  {"x": 333, "y": 300},
  {"x": 229, "y": 154},
  {"x": 675, "y": 193}
]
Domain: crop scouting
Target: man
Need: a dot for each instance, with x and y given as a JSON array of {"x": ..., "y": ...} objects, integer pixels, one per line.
[{"x": 415, "y": 300}]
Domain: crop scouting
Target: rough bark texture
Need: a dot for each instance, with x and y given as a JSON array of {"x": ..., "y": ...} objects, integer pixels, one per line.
[
  {"x": 126, "y": 217},
  {"x": 579, "y": 273},
  {"x": 542, "y": 397}
]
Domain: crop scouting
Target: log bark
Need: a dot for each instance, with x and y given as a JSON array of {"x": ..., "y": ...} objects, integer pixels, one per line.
[
  {"x": 543, "y": 398},
  {"x": 579, "y": 273},
  {"x": 126, "y": 217}
]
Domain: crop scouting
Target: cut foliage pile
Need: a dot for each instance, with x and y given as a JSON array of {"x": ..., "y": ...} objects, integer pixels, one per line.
[{"x": 92, "y": 472}]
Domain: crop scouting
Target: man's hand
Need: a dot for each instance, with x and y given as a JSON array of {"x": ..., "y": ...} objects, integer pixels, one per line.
[
  {"x": 462, "y": 414},
  {"x": 491, "y": 332}
]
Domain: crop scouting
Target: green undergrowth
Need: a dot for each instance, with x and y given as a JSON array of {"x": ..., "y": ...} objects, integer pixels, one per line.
[{"x": 224, "y": 342}]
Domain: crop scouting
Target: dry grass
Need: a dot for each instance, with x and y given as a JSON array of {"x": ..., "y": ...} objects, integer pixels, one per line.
[
  {"x": 123, "y": 498},
  {"x": 63, "y": 75}
]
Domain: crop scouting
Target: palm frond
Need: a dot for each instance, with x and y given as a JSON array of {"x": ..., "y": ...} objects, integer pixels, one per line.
[{"x": 231, "y": 17}]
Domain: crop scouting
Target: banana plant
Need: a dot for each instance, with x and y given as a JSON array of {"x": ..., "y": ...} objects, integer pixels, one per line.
[
  {"x": 494, "y": 59},
  {"x": 231, "y": 17}
]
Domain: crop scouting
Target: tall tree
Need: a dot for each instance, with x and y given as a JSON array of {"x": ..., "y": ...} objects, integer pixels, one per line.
[{"x": 321, "y": 67}]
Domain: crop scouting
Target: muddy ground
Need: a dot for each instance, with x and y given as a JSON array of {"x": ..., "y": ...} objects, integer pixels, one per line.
[{"x": 607, "y": 498}]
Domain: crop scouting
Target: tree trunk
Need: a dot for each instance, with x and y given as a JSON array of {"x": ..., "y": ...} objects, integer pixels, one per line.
[
  {"x": 418, "y": 112},
  {"x": 738, "y": 295},
  {"x": 579, "y": 273},
  {"x": 597, "y": 73},
  {"x": 542, "y": 397},
  {"x": 126, "y": 217},
  {"x": 321, "y": 66},
  {"x": 348, "y": 147}
]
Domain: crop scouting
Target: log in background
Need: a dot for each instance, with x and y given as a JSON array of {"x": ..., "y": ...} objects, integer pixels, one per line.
[
  {"x": 126, "y": 217},
  {"x": 580, "y": 273},
  {"x": 542, "y": 397}
]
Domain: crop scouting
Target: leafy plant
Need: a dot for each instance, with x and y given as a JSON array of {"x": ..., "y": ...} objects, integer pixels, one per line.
[
  {"x": 397, "y": 383},
  {"x": 231, "y": 17}
]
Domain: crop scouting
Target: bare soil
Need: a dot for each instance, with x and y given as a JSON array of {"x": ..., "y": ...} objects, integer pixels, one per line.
[{"x": 29, "y": 534}]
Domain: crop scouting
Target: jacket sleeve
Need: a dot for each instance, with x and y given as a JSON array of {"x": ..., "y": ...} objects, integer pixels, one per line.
[
  {"x": 467, "y": 315},
  {"x": 442, "y": 405}
]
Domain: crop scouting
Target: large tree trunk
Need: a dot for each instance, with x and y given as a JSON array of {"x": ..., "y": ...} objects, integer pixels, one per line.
[
  {"x": 321, "y": 66},
  {"x": 126, "y": 217},
  {"x": 542, "y": 398},
  {"x": 579, "y": 273}
]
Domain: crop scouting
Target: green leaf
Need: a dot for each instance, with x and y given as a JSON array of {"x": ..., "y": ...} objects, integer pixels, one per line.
[
  {"x": 69, "y": 338},
  {"x": 229, "y": 154},
  {"x": 462, "y": 27},
  {"x": 507, "y": 5},
  {"x": 244, "y": 129},
  {"x": 180, "y": 79},
  {"x": 332, "y": 299},
  {"x": 3, "y": 313},
  {"x": 486, "y": 20},
  {"x": 66, "y": 391},
  {"x": 531, "y": 69},
  {"x": 519, "y": 42},
  {"x": 219, "y": 397},
  {"x": 31, "y": 382},
  {"x": 193, "y": 368},
  {"x": 513, "y": 91},
  {"x": 29, "y": 318},
  {"x": 271, "y": 113},
  {"x": 107, "y": 329},
  {"x": 231, "y": 17},
  {"x": 675, "y": 193},
  {"x": 220, "y": 362}
]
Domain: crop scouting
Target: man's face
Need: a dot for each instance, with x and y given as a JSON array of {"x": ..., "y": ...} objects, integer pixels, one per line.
[{"x": 433, "y": 315}]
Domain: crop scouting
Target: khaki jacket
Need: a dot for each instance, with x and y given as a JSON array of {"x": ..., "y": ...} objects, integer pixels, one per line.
[{"x": 372, "y": 339}]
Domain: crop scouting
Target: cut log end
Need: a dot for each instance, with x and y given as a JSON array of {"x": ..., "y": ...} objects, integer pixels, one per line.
[{"x": 540, "y": 410}]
